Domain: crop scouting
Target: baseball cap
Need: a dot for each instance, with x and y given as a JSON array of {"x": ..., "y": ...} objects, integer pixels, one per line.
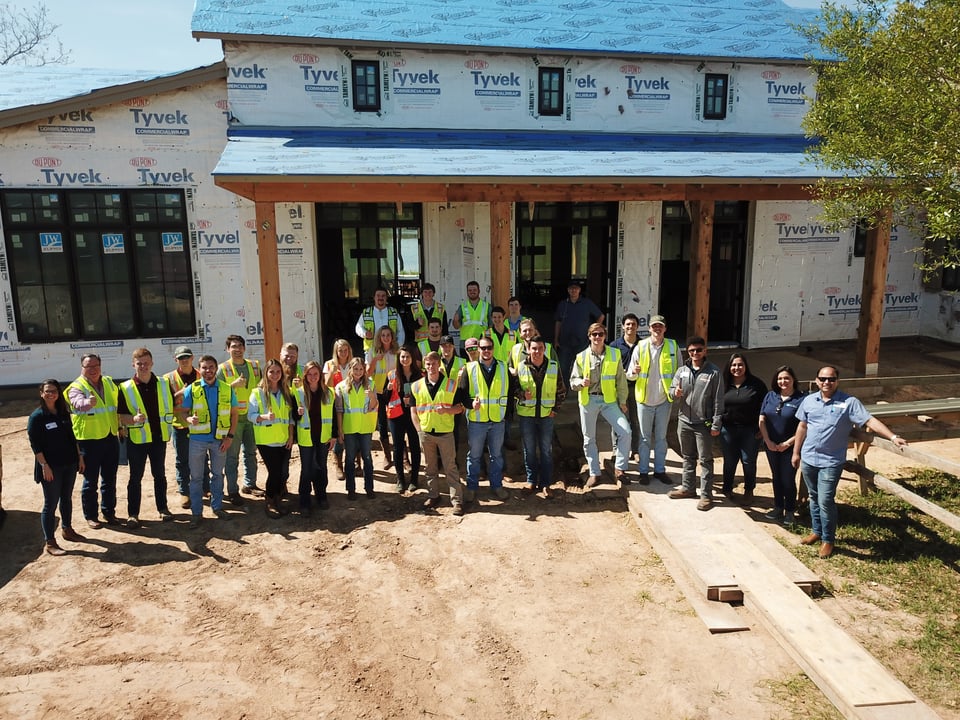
[
  {"x": 182, "y": 352},
  {"x": 658, "y": 319},
  {"x": 471, "y": 344},
  {"x": 446, "y": 340}
]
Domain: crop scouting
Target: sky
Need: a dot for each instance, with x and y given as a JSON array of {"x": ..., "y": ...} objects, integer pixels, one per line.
[{"x": 148, "y": 35}]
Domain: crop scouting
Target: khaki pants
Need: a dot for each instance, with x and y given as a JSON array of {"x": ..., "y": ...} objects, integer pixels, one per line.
[{"x": 443, "y": 448}]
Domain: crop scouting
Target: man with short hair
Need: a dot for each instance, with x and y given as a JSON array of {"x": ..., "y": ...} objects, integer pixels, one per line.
[
  {"x": 375, "y": 317},
  {"x": 431, "y": 343},
  {"x": 210, "y": 409},
  {"x": 427, "y": 309},
  {"x": 698, "y": 385},
  {"x": 654, "y": 362},
  {"x": 627, "y": 341},
  {"x": 503, "y": 338},
  {"x": 520, "y": 352},
  {"x": 92, "y": 398},
  {"x": 820, "y": 450},
  {"x": 472, "y": 317},
  {"x": 539, "y": 391},
  {"x": 514, "y": 318},
  {"x": 146, "y": 407},
  {"x": 292, "y": 370},
  {"x": 602, "y": 384},
  {"x": 572, "y": 319},
  {"x": 242, "y": 376}
]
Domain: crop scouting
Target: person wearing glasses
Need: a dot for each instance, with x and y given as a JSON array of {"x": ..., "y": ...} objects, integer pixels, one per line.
[
  {"x": 146, "y": 407},
  {"x": 698, "y": 386},
  {"x": 820, "y": 450},
  {"x": 487, "y": 385},
  {"x": 599, "y": 377},
  {"x": 778, "y": 430}
]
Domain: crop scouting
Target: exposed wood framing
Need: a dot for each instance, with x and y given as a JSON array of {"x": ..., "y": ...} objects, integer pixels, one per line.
[
  {"x": 701, "y": 250},
  {"x": 269, "y": 279},
  {"x": 867, "y": 361},
  {"x": 501, "y": 249}
]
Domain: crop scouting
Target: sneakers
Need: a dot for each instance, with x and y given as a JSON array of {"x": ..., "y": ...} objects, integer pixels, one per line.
[
  {"x": 184, "y": 502},
  {"x": 165, "y": 516},
  {"x": 681, "y": 493},
  {"x": 789, "y": 518},
  {"x": 776, "y": 514},
  {"x": 133, "y": 521},
  {"x": 194, "y": 522},
  {"x": 251, "y": 490},
  {"x": 113, "y": 520},
  {"x": 221, "y": 514},
  {"x": 663, "y": 477},
  {"x": 705, "y": 503},
  {"x": 235, "y": 499},
  {"x": 501, "y": 493}
]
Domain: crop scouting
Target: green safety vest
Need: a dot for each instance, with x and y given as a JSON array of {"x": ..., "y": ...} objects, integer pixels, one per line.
[
  {"x": 493, "y": 400},
  {"x": 100, "y": 421},
  {"x": 458, "y": 364},
  {"x": 473, "y": 321},
  {"x": 393, "y": 321},
  {"x": 304, "y": 436},
  {"x": 230, "y": 374},
  {"x": 202, "y": 412},
  {"x": 422, "y": 318},
  {"x": 176, "y": 385},
  {"x": 516, "y": 353},
  {"x": 667, "y": 368},
  {"x": 548, "y": 391},
  {"x": 502, "y": 349},
  {"x": 356, "y": 417},
  {"x": 273, "y": 432},
  {"x": 430, "y": 420},
  {"x": 608, "y": 374},
  {"x": 142, "y": 434},
  {"x": 382, "y": 369}
]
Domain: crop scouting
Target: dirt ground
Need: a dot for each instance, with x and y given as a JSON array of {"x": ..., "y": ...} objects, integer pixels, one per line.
[{"x": 526, "y": 608}]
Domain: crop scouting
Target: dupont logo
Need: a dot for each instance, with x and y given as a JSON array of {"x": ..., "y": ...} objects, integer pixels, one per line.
[
  {"x": 782, "y": 217},
  {"x": 890, "y": 288},
  {"x": 222, "y": 104},
  {"x": 831, "y": 291},
  {"x": 250, "y": 224},
  {"x": 770, "y": 74},
  {"x": 399, "y": 63},
  {"x": 47, "y": 162},
  {"x": 143, "y": 162},
  {"x": 300, "y": 314},
  {"x": 136, "y": 102},
  {"x": 630, "y": 69},
  {"x": 203, "y": 224},
  {"x": 476, "y": 64},
  {"x": 305, "y": 59}
]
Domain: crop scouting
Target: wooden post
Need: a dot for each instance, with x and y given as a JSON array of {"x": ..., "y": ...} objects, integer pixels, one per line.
[
  {"x": 701, "y": 252},
  {"x": 867, "y": 362},
  {"x": 269, "y": 279},
  {"x": 501, "y": 248}
]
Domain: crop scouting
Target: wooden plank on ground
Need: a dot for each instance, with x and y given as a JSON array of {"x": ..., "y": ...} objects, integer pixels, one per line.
[
  {"x": 887, "y": 485},
  {"x": 848, "y": 675}
]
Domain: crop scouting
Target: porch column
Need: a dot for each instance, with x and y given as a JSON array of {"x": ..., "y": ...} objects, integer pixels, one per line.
[
  {"x": 867, "y": 362},
  {"x": 501, "y": 248},
  {"x": 701, "y": 251},
  {"x": 269, "y": 278}
]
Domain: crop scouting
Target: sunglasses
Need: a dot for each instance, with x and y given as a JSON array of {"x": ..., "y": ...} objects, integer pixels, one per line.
[
  {"x": 486, "y": 347},
  {"x": 694, "y": 350},
  {"x": 826, "y": 379},
  {"x": 597, "y": 334}
]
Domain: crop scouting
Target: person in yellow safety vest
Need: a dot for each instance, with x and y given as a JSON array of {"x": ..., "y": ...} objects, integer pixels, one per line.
[
  {"x": 487, "y": 384},
  {"x": 146, "y": 407},
  {"x": 425, "y": 310},
  {"x": 599, "y": 378},
  {"x": 92, "y": 398},
  {"x": 472, "y": 317},
  {"x": 272, "y": 412},
  {"x": 437, "y": 404},
  {"x": 243, "y": 376},
  {"x": 334, "y": 371},
  {"x": 180, "y": 379},
  {"x": 520, "y": 352},
  {"x": 211, "y": 411},
  {"x": 356, "y": 407},
  {"x": 376, "y": 316},
  {"x": 292, "y": 370},
  {"x": 451, "y": 366},
  {"x": 381, "y": 361},
  {"x": 539, "y": 391},
  {"x": 314, "y": 436},
  {"x": 503, "y": 338},
  {"x": 432, "y": 342},
  {"x": 653, "y": 365}
]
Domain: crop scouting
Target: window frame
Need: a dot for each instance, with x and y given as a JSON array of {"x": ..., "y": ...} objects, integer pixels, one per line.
[
  {"x": 544, "y": 94},
  {"x": 710, "y": 96},
  {"x": 369, "y": 87}
]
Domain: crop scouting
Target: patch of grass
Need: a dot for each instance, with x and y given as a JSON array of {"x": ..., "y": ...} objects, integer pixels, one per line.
[{"x": 798, "y": 697}]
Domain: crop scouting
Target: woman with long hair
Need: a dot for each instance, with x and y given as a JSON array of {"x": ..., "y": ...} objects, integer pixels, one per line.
[
  {"x": 399, "y": 384},
  {"x": 381, "y": 360},
  {"x": 356, "y": 407},
  {"x": 334, "y": 371},
  {"x": 778, "y": 429},
  {"x": 314, "y": 435},
  {"x": 271, "y": 409},
  {"x": 739, "y": 437},
  {"x": 58, "y": 460}
]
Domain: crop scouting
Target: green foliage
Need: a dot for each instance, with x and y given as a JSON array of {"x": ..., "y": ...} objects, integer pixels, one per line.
[{"x": 887, "y": 112}]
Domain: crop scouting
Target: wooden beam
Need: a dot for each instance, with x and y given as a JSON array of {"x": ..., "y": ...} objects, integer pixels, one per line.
[
  {"x": 867, "y": 361},
  {"x": 501, "y": 250},
  {"x": 269, "y": 279},
  {"x": 701, "y": 251}
]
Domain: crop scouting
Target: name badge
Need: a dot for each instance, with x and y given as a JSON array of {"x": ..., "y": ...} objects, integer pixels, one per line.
[{"x": 51, "y": 426}]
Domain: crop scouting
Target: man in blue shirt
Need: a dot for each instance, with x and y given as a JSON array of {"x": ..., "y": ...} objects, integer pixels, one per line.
[{"x": 826, "y": 419}]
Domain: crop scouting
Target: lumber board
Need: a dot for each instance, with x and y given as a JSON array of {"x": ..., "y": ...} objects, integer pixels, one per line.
[
  {"x": 847, "y": 674},
  {"x": 933, "y": 510}
]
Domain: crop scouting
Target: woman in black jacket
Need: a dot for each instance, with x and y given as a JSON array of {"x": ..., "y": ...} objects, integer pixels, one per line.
[{"x": 739, "y": 435}]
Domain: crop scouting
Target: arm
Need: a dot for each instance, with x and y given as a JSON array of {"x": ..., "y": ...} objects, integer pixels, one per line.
[
  {"x": 623, "y": 390},
  {"x": 883, "y": 431},
  {"x": 717, "y": 404},
  {"x": 457, "y": 319},
  {"x": 79, "y": 401},
  {"x": 576, "y": 378},
  {"x": 360, "y": 330},
  {"x": 798, "y": 442},
  {"x": 633, "y": 366}
]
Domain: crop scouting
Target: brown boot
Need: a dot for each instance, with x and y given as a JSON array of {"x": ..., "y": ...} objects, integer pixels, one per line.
[
  {"x": 53, "y": 549},
  {"x": 387, "y": 453},
  {"x": 339, "y": 461}
]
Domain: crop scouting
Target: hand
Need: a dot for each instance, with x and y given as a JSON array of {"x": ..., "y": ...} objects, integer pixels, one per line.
[
  {"x": 47, "y": 473},
  {"x": 192, "y": 420},
  {"x": 623, "y": 408},
  {"x": 300, "y": 411},
  {"x": 93, "y": 401},
  {"x": 239, "y": 382},
  {"x": 225, "y": 444},
  {"x": 678, "y": 393},
  {"x": 770, "y": 445},
  {"x": 267, "y": 417},
  {"x": 139, "y": 418},
  {"x": 714, "y": 432},
  {"x": 795, "y": 461},
  {"x": 528, "y": 395},
  {"x": 477, "y": 404},
  {"x": 81, "y": 465}
]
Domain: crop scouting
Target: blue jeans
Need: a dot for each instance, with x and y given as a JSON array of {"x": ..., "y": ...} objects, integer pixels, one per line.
[
  {"x": 242, "y": 437},
  {"x": 822, "y": 487},
  {"x": 100, "y": 459},
  {"x": 784, "y": 480},
  {"x": 313, "y": 473},
  {"x": 739, "y": 443},
  {"x": 696, "y": 447},
  {"x": 203, "y": 451},
  {"x": 537, "y": 436},
  {"x": 137, "y": 456},
  {"x": 610, "y": 412},
  {"x": 181, "y": 446},
  {"x": 354, "y": 443},
  {"x": 653, "y": 426},
  {"x": 58, "y": 491},
  {"x": 480, "y": 435}
]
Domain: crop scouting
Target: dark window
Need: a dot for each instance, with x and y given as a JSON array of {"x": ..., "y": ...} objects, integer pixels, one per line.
[
  {"x": 366, "y": 86},
  {"x": 715, "y": 97},
  {"x": 96, "y": 264},
  {"x": 860, "y": 234},
  {"x": 551, "y": 91}
]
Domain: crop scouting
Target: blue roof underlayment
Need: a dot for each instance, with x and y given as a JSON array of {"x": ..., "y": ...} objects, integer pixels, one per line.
[
  {"x": 452, "y": 156},
  {"x": 745, "y": 29}
]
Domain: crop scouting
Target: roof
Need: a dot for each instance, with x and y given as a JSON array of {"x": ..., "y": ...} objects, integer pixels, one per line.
[
  {"x": 431, "y": 156},
  {"x": 31, "y": 93},
  {"x": 747, "y": 29}
]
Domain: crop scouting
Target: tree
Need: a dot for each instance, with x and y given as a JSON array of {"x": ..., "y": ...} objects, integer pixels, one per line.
[
  {"x": 27, "y": 37},
  {"x": 887, "y": 113}
]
